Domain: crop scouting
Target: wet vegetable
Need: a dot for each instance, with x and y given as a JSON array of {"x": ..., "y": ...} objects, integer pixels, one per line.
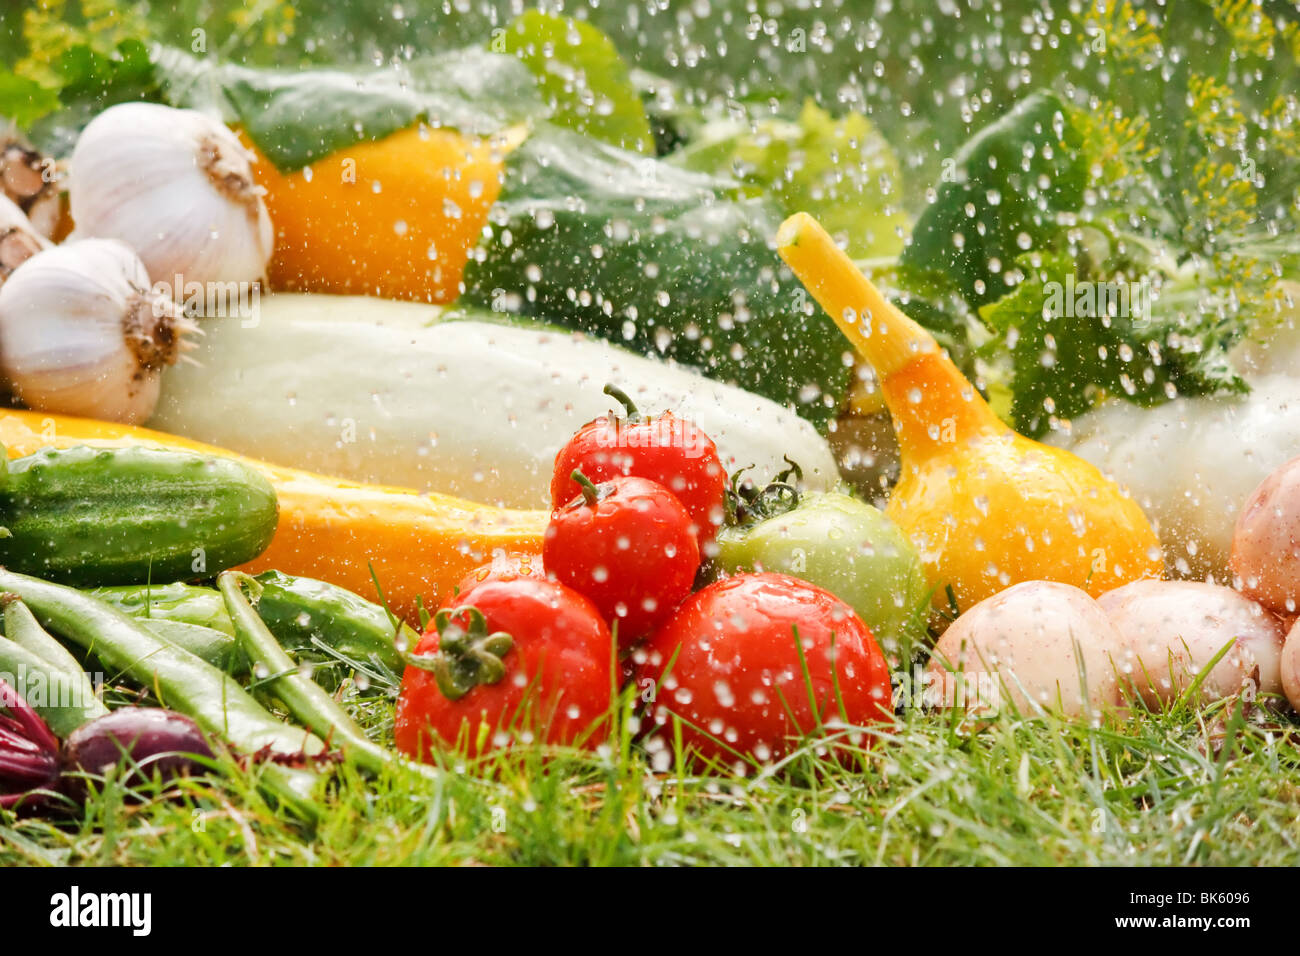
[
  {"x": 839, "y": 543},
  {"x": 306, "y": 700},
  {"x": 751, "y": 664},
  {"x": 151, "y": 742},
  {"x": 1290, "y": 668},
  {"x": 90, "y": 516},
  {"x": 29, "y": 753},
  {"x": 672, "y": 451},
  {"x": 393, "y": 393},
  {"x": 1266, "y": 542},
  {"x": 330, "y": 528},
  {"x": 1194, "y": 462},
  {"x": 313, "y": 620},
  {"x": 507, "y": 662},
  {"x": 44, "y": 673},
  {"x": 206, "y": 643},
  {"x": 675, "y": 265},
  {"x": 419, "y": 234},
  {"x": 502, "y": 567},
  {"x": 1174, "y": 629},
  {"x": 182, "y": 681},
  {"x": 321, "y": 622},
  {"x": 628, "y": 545},
  {"x": 1038, "y": 645},
  {"x": 103, "y": 336},
  {"x": 985, "y": 507},
  {"x": 180, "y": 602}
]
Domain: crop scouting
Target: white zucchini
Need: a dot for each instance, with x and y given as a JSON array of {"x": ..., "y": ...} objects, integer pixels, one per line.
[{"x": 384, "y": 392}]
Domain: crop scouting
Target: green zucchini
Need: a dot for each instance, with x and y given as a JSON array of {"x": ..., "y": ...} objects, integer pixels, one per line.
[{"x": 93, "y": 516}]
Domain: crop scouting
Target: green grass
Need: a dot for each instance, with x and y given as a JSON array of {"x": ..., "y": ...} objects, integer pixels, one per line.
[{"x": 1213, "y": 786}]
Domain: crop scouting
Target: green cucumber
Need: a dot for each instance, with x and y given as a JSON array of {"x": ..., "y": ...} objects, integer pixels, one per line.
[{"x": 94, "y": 516}]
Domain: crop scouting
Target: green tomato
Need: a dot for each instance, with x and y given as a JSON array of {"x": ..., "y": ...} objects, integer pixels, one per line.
[{"x": 849, "y": 548}]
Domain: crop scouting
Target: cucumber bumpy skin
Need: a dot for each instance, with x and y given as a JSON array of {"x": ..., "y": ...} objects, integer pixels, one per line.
[{"x": 96, "y": 516}]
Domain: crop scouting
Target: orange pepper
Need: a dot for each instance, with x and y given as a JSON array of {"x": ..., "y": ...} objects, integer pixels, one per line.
[{"x": 396, "y": 218}]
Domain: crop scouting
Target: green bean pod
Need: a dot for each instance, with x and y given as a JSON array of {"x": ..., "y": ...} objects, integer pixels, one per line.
[
  {"x": 182, "y": 681},
  {"x": 49, "y": 678},
  {"x": 306, "y": 700},
  {"x": 216, "y": 647},
  {"x": 64, "y": 699},
  {"x": 315, "y": 621}
]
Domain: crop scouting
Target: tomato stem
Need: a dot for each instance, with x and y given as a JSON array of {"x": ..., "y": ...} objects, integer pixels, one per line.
[
  {"x": 748, "y": 504},
  {"x": 590, "y": 493},
  {"x": 620, "y": 396},
  {"x": 467, "y": 656}
]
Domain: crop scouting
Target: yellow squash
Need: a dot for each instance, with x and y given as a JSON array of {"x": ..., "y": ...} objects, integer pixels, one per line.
[
  {"x": 419, "y": 544},
  {"x": 986, "y": 507}
]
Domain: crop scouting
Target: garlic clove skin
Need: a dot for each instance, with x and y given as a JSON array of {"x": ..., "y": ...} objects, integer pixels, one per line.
[
  {"x": 82, "y": 332},
  {"x": 177, "y": 187},
  {"x": 31, "y": 182},
  {"x": 19, "y": 240}
]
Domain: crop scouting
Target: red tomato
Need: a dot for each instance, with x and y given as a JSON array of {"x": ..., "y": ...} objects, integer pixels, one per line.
[
  {"x": 504, "y": 566},
  {"x": 670, "y": 450},
  {"x": 628, "y": 545},
  {"x": 737, "y": 650},
  {"x": 552, "y": 680}
]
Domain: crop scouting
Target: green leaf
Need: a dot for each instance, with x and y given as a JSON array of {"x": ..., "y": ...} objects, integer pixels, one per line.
[
  {"x": 581, "y": 76},
  {"x": 299, "y": 116},
  {"x": 842, "y": 171},
  {"x": 24, "y": 101},
  {"x": 90, "y": 82},
  {"x": 1068, "y": 347},
  {"x": 1004, "y": 193},
  {"x": 664, "y": 261}
]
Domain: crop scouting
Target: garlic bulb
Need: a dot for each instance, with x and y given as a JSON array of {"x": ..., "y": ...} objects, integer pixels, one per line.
[
  {"x": 82, "y": 333},
  {"x": 30, "y": 181},
  {"x": 177, "y": 187},
  {"x": 18, "y": 240}
]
